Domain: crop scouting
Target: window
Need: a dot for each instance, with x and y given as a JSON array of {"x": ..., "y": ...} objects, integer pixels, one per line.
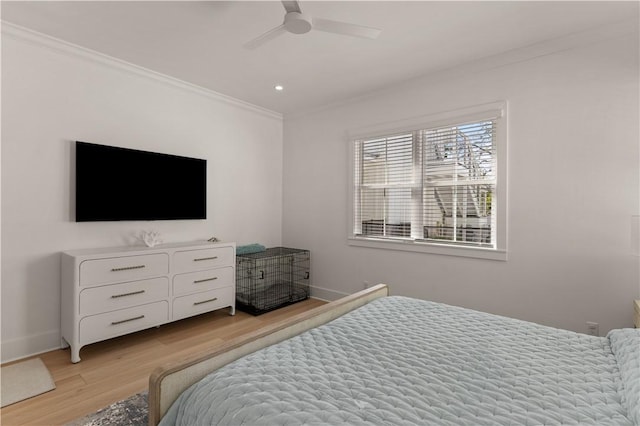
[{"x": 433, "y": 187}]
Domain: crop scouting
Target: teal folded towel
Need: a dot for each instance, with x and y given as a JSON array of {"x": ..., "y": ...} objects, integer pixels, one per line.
[{"x": 250, "y": 248}]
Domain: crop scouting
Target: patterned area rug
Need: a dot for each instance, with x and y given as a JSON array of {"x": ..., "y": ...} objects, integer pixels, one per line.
[{"x": 133, "y": 411}]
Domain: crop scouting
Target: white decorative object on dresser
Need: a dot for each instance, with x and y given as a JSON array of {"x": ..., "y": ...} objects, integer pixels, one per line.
[{"x": 110, "y": 292}]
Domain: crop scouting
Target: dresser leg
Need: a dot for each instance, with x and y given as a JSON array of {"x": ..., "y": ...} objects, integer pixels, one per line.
[
  {"x": 232, "y": 310},
  {"x": 75, "y": 355}
]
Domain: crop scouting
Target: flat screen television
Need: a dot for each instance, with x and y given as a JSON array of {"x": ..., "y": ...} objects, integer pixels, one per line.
[{"x": 114, "y": 184}]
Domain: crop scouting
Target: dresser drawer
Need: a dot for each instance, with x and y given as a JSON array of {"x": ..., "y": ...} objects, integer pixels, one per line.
[
  {"x": 194, "y": 304},
  {"x": 126, "y": 268},
  {"x": 197, "y": 260},
  {"x": 203, "y": 280},
  {"x": 111, "y": 324},
  {"x": 107, "y": 298}
]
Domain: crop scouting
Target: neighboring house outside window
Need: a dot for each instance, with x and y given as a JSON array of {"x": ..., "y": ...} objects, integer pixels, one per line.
[{"x": 435, "y": 185}]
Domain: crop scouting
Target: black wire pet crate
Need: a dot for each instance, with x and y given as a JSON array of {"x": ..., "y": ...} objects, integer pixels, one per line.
[{"x": 270, "y": 279}]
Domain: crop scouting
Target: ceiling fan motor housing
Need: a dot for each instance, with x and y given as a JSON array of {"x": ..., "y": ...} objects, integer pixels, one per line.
[{"x": 297, "y": 23}]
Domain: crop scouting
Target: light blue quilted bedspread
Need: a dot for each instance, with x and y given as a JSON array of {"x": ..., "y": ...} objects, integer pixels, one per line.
[{"x": 402, "y": 361}]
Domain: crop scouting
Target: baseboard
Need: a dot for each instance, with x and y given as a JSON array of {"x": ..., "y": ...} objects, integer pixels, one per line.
[
  {"x": 35, "y": 344},
  {"x": 326, "y": 294}
]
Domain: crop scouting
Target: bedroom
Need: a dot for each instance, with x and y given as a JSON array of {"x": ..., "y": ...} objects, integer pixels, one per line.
[{"x": 570, "y": 78}]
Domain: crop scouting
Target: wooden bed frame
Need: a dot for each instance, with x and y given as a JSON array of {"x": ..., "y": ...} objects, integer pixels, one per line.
[{"x": 166, "y": 383}]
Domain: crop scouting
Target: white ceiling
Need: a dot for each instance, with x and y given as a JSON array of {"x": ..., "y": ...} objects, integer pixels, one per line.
[{"x": 202, "y": 42}]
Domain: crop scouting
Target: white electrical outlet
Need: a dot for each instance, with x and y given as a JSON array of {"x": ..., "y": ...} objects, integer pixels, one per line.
[{"x": 593, "y": 328}]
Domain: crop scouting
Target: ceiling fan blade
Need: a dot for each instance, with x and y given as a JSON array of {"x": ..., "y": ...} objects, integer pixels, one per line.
[
  {"x": 344, "y": 28},
  {"x": 269, "y": 35},
  {"x": 291, "y": 6}
]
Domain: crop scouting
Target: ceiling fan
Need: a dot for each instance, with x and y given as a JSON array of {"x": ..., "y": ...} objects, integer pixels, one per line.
[{"x": 296, "y": 22}]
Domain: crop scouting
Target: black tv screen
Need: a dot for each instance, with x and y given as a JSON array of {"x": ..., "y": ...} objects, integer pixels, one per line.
[{"x": 126, "y": 184}]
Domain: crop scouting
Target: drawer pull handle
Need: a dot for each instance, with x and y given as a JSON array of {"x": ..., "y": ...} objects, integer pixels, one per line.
[
  {"x": 205, "y": 301},
  {"x": 127, "y": 320},
  {"x": 205, "y": 258},
  {"x": 115, "y": 296},
  {"x": 127, "y": 268},
  {"x": 205, "y": 280}
]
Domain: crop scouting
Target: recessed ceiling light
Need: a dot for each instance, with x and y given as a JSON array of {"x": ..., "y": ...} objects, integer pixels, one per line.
[{"x": 278, "y": 87}]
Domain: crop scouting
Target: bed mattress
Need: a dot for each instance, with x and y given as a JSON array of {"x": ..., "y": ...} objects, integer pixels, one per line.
[{"x": 402, "y": 361}]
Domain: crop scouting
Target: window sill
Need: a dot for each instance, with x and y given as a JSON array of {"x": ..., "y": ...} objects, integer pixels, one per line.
[{"x": 442, "y": 249}]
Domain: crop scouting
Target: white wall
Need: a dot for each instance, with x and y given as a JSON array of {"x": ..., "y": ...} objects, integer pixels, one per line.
[
  {"x": 573, "y": 183},
  {"x": 53, "y": 94}
]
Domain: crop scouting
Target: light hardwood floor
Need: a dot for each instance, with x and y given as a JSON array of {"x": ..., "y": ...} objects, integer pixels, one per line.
[{"x": 120, "y": 367}]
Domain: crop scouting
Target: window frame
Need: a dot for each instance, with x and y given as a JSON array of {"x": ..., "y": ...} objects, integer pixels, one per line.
[{"x": 494, "y": 110}]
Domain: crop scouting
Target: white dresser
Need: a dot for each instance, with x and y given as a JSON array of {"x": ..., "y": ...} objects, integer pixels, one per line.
[{"x": 111, "y": 292}]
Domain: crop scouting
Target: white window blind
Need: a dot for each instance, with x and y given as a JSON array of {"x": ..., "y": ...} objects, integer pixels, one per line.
[
  {"x": 388, "y": 178},
  {"x": 431, "y": 185}
]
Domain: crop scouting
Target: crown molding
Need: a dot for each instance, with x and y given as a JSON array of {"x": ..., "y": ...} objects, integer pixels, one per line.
[
  {"x": 567, "y": 42},
  {"x": 60, "y": 46}
]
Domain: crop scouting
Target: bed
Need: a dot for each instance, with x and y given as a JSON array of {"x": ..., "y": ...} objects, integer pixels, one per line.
[{"x": 376, "y": 359}]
